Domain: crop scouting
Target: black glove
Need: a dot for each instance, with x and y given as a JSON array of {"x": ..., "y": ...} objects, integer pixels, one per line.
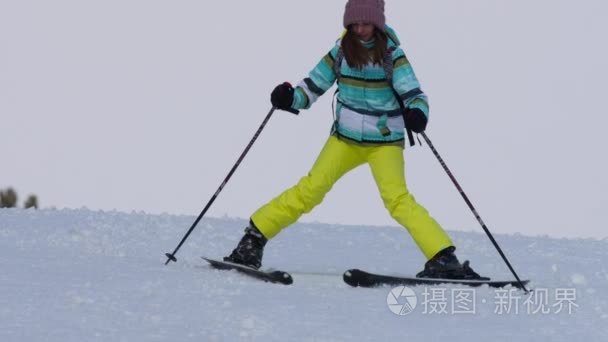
[
  {"x": 415, "y": 120},
  {"x": 282, "y": 96}
]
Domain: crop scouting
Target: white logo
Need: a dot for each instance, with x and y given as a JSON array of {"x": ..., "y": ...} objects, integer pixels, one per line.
[{"x": 401, "y": 300}]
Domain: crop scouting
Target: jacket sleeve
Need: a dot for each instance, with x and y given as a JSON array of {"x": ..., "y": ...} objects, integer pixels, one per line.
[
  {"x": 406, "y": 83},
  {"x": 319, "y": 80}
]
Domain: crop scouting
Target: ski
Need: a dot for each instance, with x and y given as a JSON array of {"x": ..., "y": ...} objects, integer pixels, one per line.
[
  {"x": 273, "y": 276},
  {"x": 355, "y": 277}
]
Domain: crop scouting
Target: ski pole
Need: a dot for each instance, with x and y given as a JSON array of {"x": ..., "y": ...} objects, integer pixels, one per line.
[
  {"x": 466, "y": 199},
  {"x": 171, "y": 256}
]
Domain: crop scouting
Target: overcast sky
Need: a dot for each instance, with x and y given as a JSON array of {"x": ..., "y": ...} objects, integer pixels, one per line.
[{"x": 146, "y": 105}]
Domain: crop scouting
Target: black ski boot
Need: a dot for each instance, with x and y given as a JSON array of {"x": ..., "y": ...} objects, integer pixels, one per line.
[
  {"x": 250, "y": 249},
  {"x": 445, "y": 265}
]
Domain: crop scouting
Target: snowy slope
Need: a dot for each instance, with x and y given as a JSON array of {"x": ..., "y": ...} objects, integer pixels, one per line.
[{"x": 81, "y": 275}]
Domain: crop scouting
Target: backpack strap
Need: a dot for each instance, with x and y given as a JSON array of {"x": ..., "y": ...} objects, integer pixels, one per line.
[
  {"x": 337, "y": 70},
  {"x": 338, "y": 64},
  {"x": 388, "y": 71},
  {"x": 388, "y": 65}
]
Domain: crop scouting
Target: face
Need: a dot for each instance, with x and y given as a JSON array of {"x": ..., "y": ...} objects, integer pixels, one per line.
[{"x": 365, "y": 31}]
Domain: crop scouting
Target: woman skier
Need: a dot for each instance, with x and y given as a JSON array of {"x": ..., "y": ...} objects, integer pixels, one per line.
[{"x": 369, "y": 128}]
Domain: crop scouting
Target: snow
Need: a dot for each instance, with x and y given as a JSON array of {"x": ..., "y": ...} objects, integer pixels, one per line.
[{"x": 82, "y": 275}]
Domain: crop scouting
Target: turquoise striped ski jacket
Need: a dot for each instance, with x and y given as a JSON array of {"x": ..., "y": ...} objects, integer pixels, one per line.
[{"x": 366, "y": 105}]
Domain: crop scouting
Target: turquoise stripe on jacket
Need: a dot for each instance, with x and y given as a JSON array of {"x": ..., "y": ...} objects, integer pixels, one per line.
[{"x": 366, "y": 102}]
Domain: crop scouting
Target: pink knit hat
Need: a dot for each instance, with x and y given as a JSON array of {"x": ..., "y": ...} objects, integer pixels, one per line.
[{"x": 369, "y": 11}]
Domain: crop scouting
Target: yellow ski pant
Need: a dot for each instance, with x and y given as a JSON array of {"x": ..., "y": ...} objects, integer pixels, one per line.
[{"x": 336, "y": 159}]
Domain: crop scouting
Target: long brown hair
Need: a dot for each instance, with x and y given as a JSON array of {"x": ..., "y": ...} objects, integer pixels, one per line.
[{"x": 357, "y": 55}]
